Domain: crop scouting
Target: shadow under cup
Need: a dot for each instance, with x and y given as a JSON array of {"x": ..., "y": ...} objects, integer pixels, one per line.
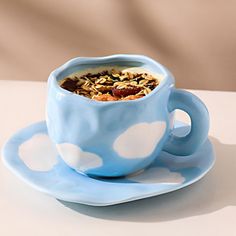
[{"x": 112, "y": 138}]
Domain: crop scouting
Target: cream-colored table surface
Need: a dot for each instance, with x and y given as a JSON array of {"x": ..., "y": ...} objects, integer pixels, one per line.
[{"x": 205, "y": 208}]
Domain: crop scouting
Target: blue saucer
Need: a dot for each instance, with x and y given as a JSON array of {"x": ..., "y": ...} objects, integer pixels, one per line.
[{"x": 32, "y": 157}]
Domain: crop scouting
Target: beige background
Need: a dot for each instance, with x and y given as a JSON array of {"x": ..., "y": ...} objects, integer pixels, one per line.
[{"x": 195, "y": 39}]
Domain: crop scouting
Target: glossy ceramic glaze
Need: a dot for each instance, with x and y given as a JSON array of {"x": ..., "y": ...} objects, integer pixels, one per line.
[
  {"x": 121, "y": 137},
  {"x": 31, "y": 155}
]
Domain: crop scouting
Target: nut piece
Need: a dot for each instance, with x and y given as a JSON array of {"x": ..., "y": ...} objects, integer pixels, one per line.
[
  {"x": 104, "y": 97},
  {"x": 132, "y": 97}
]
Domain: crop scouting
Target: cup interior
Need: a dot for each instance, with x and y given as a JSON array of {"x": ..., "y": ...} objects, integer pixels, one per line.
[{"x": 81, "y": 64}]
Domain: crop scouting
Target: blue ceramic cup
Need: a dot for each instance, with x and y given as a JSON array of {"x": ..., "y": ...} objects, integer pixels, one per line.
[{"x": 117, "y": 138}]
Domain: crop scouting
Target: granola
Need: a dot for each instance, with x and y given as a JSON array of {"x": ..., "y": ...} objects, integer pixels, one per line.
[{"x": 111, "y": 85}]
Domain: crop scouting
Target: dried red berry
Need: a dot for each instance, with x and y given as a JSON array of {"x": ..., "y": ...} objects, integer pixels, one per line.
[{"x": 125, "y": 91}]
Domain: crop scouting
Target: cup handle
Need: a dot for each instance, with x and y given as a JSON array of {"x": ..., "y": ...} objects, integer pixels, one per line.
[{"x": 199, "y": 116}]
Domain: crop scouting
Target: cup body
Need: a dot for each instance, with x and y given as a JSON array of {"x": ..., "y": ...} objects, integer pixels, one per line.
[{"x": 113, "y": 138}]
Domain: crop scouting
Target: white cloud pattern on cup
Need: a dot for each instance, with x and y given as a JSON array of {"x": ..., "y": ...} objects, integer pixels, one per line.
[
  {"x": 139, "y": 140},
  {"x": 77, "y": 159},
  {"x": 38, "y": 153}
]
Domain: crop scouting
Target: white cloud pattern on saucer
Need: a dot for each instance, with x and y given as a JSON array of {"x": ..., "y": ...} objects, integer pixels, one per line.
[
  {"x": 38, "y": 153},
  {"x": 157, "y": 175},
  {"x": 77, "y": 159},
  {"x": 139, "y": 140}
]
